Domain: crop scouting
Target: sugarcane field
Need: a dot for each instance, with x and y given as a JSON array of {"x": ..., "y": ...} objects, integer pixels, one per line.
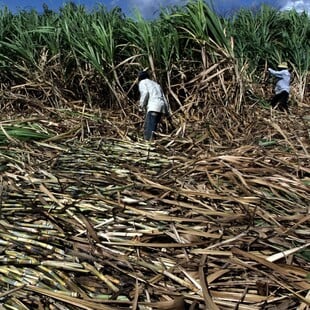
[{"x": 212, "y": 213}]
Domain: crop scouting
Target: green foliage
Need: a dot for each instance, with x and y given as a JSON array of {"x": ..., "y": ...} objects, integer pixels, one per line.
[
  {"x": 272, "y": 36},
  {"x": 305, "y": 254},
  {"x": 103, "y": 50},
  {"x": 254, "y": 40},
  {"x": 22, "y": 133}
]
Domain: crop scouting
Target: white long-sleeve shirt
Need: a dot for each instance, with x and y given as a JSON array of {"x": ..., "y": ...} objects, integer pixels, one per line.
[
  {"x": 284, "y": 78},
  {"x": 152, "y": 98}
]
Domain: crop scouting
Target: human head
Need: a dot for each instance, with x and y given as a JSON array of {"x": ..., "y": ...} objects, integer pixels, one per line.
[
  {"x": 283, "y": 65},
  {"x": 143, "y": 75}
]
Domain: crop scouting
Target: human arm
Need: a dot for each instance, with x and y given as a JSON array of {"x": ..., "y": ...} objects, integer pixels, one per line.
[
  {"x": 278, "y": 74},
  {"x": 167, "y": 111},
  {"x": 144, "y": 95}
]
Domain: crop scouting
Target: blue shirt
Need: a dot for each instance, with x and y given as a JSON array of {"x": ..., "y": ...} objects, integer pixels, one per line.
[{"x": 284, "y": 78}]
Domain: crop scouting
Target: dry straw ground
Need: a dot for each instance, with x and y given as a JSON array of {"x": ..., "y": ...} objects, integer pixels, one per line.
[{"x": 213, "y": 215}]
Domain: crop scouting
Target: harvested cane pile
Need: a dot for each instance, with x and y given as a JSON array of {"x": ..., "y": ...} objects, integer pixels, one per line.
[{"x": 215, "y": 216}]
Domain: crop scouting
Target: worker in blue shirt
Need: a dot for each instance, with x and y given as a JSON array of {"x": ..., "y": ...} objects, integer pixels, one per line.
[{"x": 282, "y": 88}]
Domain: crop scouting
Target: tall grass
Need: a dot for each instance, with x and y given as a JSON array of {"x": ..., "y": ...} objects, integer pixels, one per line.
[
  {"x": 95, "y": 55},
  {"x": 269, "y": 37}
]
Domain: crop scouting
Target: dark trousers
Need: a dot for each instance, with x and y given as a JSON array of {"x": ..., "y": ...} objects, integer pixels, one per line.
[
  {"x": 280, "y": 101},
  {"x": 150, "y": 126}
]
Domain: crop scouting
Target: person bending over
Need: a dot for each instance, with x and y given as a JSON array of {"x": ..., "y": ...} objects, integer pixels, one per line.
[{"x": 153, "y": 101}]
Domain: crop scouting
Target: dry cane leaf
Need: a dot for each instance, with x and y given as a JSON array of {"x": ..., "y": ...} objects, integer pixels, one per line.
[
  {"x": 208, "y": 299},
  {"x": 175, "y": 304}
]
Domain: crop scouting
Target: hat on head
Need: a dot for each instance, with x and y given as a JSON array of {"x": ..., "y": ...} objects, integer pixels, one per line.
[
  {"x": 143, "y": 75},
  {"x": 283, "y": 65}
]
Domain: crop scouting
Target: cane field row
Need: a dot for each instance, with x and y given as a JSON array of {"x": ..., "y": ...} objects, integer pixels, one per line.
[{"x": 95, "y": 55}]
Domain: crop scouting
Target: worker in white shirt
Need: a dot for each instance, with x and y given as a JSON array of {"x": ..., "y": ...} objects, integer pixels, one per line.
[
  {"x": 153, "y": 101},
  {"x": 282, "y": 88}
]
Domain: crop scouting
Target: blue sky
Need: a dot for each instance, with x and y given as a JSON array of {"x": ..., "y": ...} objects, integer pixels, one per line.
[{"x": 149, "y": 7}]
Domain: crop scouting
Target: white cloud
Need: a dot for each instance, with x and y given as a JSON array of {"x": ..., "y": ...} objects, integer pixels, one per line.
[
  {"x": 150, "y": 8},
  {"x": 298, "y": 5}
]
